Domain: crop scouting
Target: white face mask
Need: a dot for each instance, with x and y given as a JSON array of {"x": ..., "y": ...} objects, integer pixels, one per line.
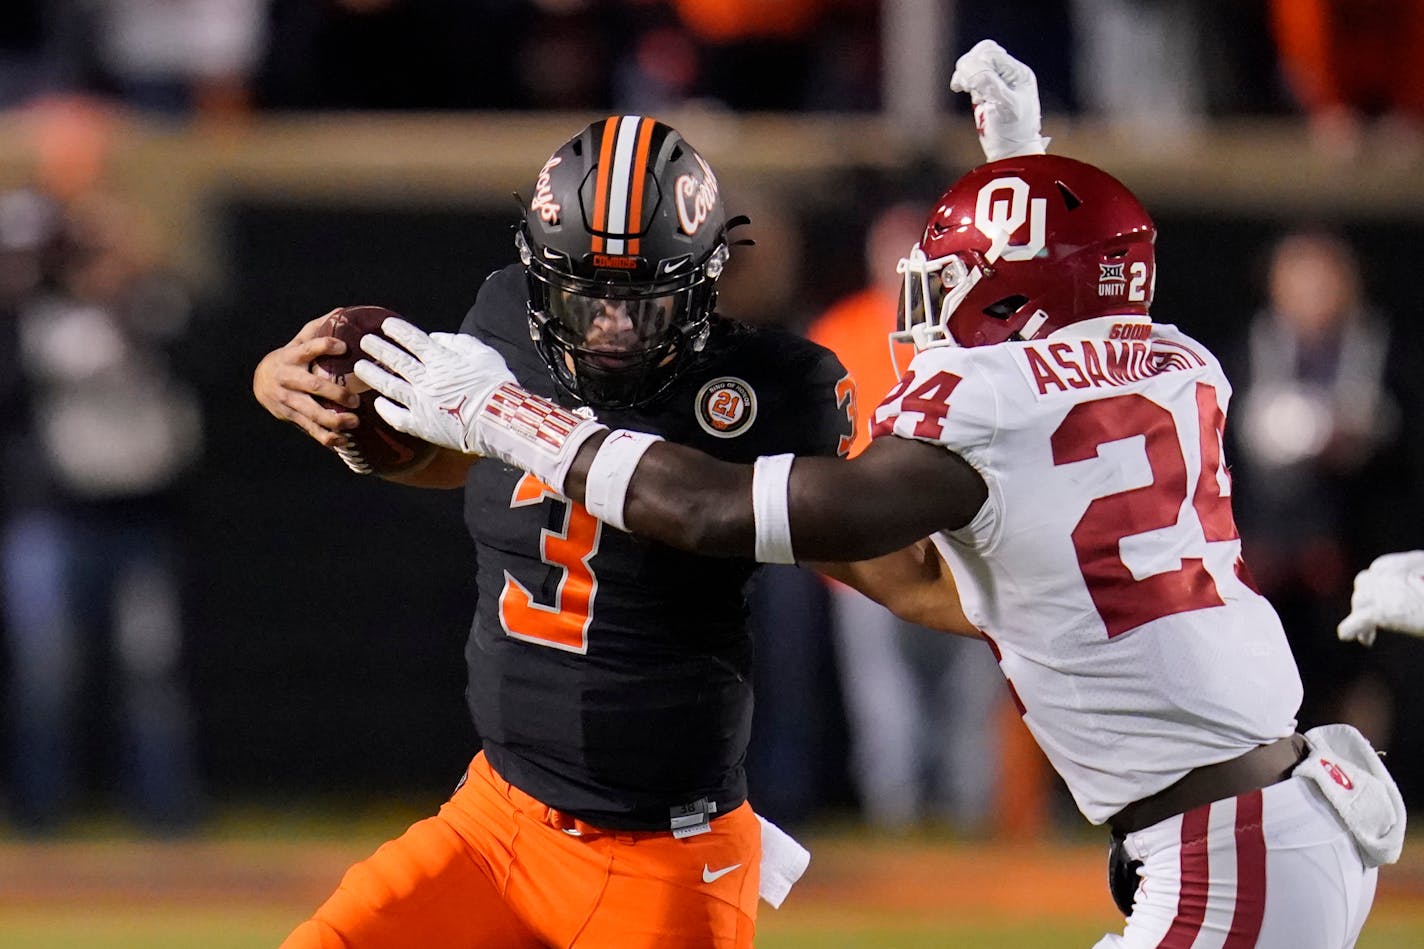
[{"x": 933, "y": 290}]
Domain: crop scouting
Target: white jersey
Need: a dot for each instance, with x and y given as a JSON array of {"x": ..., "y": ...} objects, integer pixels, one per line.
[{"x": 1105, "y": 567}]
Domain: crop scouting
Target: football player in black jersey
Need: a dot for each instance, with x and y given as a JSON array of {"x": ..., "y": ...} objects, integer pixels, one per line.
[{"x": 609, "y": 677}]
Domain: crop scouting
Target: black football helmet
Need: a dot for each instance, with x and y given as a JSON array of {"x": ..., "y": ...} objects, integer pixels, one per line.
[{"x": 622, "y": 242}]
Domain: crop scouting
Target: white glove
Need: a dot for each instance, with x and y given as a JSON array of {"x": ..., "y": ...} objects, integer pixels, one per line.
[
  {"x": 452, "y": 390},
  {"x": 432, "y": 388},
  {"x": 1005, "y": 96},
  {"x": 1388, "y": 595}
]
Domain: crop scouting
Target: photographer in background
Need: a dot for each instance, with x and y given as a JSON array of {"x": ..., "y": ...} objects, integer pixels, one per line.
[
  {"x": 97, "y": 435},
  {"x": 1314, "y": 413}
]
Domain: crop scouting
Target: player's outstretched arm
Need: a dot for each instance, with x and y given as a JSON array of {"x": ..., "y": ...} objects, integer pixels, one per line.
[
  {"x": 455, "y": 391},
  {"x": 1388, "y": 595},
  {"x": 285, "y": 385},
  {"x": 893, "y": 494}
]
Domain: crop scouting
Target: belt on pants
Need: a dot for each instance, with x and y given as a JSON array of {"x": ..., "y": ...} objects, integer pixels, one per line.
[
  {"x": 1260, "y": 767},
  {"x": 536, "y": 809}
]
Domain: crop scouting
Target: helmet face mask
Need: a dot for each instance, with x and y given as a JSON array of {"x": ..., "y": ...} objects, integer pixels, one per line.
[
  {"x": 613, "y": 323},
  {"x": 933, "y": 290},
  {"x": 622, "y": 245},
  {"x": 1020, "y": 248}
]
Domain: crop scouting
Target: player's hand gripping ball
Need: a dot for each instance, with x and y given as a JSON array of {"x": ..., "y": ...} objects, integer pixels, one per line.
[{"x": 373, "y": 446}]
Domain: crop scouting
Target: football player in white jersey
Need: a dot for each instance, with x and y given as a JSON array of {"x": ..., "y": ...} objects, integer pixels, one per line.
[{"x": 1063, "y": 453}]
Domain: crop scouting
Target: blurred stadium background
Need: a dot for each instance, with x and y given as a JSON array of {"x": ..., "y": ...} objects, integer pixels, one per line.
[{"x": 277, "y": 158}]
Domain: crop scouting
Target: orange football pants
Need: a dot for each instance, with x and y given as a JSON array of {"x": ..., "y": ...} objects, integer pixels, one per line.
[{"x": 496, "y": 869}]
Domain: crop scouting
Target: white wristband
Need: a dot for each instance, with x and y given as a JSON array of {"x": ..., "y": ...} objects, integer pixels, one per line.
[
  {"x": 531, "y": 432},
  {"x": 771, "y": 485},
  {"x": 606, "y": 490}
]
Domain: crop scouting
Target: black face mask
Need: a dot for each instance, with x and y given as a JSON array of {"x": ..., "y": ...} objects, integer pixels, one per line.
[{"x": 615, "y": 379}]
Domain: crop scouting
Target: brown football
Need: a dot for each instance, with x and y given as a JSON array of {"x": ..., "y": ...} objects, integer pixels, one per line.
[{"x": 372, "y": 446}]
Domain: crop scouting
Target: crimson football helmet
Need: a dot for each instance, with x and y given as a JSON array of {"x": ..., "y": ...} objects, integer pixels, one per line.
[
  {"x": 1024, "y": 246},
  {"x": 622, "y": 243}
]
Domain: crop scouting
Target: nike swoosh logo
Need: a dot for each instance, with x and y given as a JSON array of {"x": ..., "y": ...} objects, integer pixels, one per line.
[{"x": 712, "y": 876}]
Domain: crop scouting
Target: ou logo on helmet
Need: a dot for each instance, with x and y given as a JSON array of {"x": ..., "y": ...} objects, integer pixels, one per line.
[{"x": 998, "y": 213}]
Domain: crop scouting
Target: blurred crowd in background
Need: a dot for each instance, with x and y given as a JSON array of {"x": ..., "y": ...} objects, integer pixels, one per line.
[
  {"x": 94, "y": 324},
  {"x": 1161, "y": 64}
]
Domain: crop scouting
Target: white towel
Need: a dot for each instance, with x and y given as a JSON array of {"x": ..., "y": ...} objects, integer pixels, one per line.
[
  {"x": 783, "y": 861},
  {"x": 1348, "y": 771}
]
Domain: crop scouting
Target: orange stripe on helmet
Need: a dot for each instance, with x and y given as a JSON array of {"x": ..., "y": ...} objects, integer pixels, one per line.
[
  {"x": 605, "y": 171},
  {"x": 640, "y": 179}
]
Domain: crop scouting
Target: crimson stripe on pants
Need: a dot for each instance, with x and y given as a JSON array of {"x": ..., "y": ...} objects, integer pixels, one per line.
[
  {"x": 1192, "y": 892},
  {"x": 1250, "y": 874}
]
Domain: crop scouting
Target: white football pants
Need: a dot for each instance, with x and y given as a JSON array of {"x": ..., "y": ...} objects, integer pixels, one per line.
[{"x": 1272, "y": 869}]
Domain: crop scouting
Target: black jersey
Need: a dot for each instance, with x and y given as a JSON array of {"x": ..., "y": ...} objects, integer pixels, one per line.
[{"x": 609, "y": 676}]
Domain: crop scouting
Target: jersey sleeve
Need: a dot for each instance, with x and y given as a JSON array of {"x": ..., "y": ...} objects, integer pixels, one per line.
[
  {"x": 500, "y": 318},
  {"x": 827, "y": 420},
  {"x": 946, "y": 398},
  {"x": 499, "y": 307}
]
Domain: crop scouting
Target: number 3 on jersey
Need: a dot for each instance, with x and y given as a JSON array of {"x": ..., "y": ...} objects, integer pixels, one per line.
[{"x": 564, "y": 623}]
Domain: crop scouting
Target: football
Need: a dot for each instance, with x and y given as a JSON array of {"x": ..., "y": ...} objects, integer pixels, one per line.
[{"x": 372, "y": 447}]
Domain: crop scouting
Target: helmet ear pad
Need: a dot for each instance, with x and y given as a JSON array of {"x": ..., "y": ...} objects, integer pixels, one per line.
[
  {"x": 1073, "y": 244},
  {"x": 624, "y": 211}
]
